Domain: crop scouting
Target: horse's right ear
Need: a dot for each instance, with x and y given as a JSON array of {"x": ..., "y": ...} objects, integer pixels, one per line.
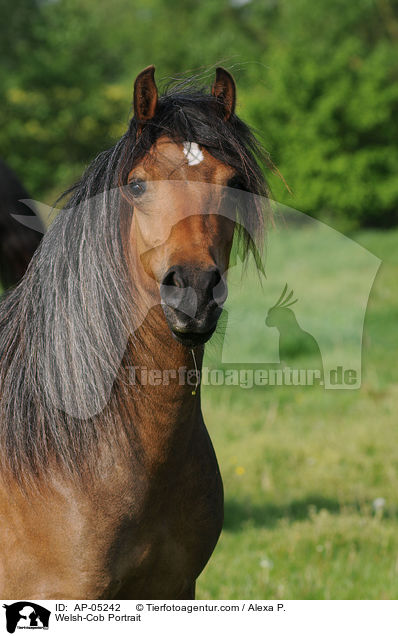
[
  {"x": 224, "y": 90},
  {"x": 145, "y": 96}
]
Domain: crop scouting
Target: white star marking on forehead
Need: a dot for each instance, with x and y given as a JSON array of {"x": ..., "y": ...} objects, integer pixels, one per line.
[{"x": 193, "y": 153}]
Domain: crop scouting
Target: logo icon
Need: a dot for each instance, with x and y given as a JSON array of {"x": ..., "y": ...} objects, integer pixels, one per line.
[
  {"x": 26, "y": 615},
  {"x": 293, "y": 339}
]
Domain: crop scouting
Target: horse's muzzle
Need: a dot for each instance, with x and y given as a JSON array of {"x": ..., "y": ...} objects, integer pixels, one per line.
[{"x": 192, "y": 301}]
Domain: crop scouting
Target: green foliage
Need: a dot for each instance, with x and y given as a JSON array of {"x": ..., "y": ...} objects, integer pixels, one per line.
[
  {"x": 317, "y": 80},
  {"x": 62, "y": 106},
  {"x": 328, "y": 107}
]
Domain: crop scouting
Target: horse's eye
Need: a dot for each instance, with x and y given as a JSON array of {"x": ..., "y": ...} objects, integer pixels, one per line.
[{"x": 137, "y": 188}]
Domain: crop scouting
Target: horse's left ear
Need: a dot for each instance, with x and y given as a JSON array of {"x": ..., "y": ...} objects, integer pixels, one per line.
[
  {"x": 224, "y": 90},
  {"x": 145, "y": 95}
]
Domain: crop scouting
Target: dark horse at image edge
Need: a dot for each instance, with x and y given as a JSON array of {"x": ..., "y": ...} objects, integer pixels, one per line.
[
  {"x": 111, "y": 488},
  {"x": 18, "y": 243}
]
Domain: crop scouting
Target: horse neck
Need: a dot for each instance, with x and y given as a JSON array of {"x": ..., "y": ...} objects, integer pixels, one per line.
[{"x": 163, "y": 406}]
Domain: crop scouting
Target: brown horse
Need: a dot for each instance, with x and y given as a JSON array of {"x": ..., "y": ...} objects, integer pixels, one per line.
[{"x": 110, "y": 485}]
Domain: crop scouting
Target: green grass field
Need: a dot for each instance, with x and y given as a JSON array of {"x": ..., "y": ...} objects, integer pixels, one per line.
[{"x": 306, "y": 470}]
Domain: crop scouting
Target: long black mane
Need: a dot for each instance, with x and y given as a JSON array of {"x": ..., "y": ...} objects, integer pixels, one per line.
[{"x": 64, "y": 329}]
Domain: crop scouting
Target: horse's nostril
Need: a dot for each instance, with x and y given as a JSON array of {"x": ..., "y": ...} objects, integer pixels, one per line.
[
  {"x": 215, "y": 277},
  {"x": 220, "y": 292},
  {"x": 174, "y": 277},
  {"x": 179, "y": 276}
]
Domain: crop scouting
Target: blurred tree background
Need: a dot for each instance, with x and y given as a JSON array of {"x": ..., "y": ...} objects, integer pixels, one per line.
[{"x": 317, "y": 80}]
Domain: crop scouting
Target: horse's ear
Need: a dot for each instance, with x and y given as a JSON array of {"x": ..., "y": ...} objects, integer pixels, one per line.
[
  {"x": 224, "y": 91},
  {"x": 145, "y": 95}
]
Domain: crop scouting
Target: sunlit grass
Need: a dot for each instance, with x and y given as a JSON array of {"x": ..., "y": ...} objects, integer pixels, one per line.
[{"x": 311, "y": 476}]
